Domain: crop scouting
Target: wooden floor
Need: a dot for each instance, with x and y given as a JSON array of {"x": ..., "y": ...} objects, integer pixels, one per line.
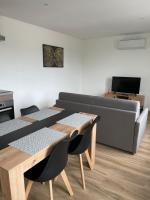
[{"x": 117, "y": 176}]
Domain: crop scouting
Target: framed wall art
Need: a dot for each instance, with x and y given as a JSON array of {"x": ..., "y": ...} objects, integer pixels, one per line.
[{"x": 53, "y": 56}]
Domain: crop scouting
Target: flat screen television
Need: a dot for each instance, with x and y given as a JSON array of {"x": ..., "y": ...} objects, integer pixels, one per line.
[{"x": 126, "y": 84}]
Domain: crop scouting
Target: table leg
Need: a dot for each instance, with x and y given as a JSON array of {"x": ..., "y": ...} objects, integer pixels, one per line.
[
  {"x": 12, "y": 183},
  {"x": 93, "y": 146}
]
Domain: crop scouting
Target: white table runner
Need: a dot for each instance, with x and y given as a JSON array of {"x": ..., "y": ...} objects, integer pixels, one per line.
[
  {"x": 12, "y": 125},
  {"x": 43, "y": 114},
  {"x": 37, "y": 141},
  {"x": 75, "y": 120}
]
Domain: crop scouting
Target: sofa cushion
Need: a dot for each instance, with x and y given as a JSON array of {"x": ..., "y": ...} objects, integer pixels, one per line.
[
  {"x": 117, "y": 103},
  {"x": 116, "y": 127},
  {"x": 101, "y": 101},
  {"x": 86, "y": 99},
  {"x": 74, "y": 106}
]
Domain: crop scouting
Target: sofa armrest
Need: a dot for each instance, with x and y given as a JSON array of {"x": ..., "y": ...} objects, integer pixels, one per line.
[{"x": 140, "y": 127}]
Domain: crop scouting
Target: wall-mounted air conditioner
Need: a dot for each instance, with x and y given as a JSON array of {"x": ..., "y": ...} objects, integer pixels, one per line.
[
  {"x": 2, "y": 38},
  {"x": 131, "y": 44}
]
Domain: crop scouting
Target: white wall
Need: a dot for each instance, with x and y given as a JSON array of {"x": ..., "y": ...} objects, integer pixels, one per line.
[
  {"x": 21, "y": 64},
  {"x": 102, "y": 60}
]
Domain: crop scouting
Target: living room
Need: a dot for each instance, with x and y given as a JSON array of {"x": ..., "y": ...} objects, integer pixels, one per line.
[{"x": 90, "y": 43}]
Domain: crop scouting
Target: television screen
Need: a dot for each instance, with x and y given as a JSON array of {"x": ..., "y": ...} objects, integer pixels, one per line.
[{"x": 126, "y": 84}]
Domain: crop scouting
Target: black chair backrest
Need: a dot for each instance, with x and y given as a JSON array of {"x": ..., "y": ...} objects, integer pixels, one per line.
[
  {"x": 29, "y": 110},
  {"x": 81, "y": 142},
  {"x": 74, "y": 135},
  {"x": 55, "y": 163}
]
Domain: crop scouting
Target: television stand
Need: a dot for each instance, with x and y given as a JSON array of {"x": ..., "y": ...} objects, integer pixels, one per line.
[
  {"x": 120, "y": 96},
  {"x": 134, "y": 97}
]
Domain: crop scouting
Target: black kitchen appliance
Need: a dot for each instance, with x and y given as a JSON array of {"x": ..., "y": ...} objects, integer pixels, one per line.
[{"x": 6, "y": 106}]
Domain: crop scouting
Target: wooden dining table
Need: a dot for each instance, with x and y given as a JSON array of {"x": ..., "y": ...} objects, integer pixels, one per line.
[{"x": 14, "y": 162}]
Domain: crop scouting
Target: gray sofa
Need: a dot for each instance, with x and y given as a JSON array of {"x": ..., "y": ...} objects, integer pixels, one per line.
[{"x": 121, "y": 125}]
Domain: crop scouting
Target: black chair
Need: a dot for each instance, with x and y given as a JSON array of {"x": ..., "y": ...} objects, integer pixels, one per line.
[
  {"x": 50, "y": 168},
  {"x": 80, "y": 143},
  {"x": 29, "y": 110}
]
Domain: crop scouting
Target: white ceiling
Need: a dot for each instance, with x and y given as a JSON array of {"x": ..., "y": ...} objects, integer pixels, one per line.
[{"x": 82, "y": 18}]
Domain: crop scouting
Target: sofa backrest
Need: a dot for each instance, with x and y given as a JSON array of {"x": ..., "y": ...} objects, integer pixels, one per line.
[
  {"x": 116, "y": 126},
  {"x": 101, "y": 101}
]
